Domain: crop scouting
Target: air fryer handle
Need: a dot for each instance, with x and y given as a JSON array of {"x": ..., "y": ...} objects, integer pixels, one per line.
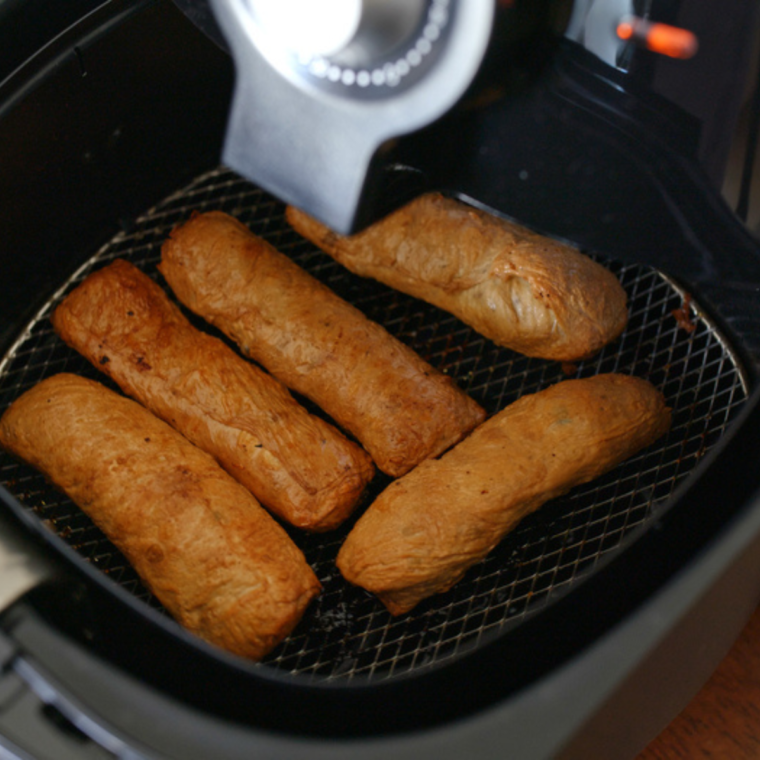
[
  {"x": 23, "y": 564},
  {"x": 30, "y": 726},
  {"x": 37, "y": 720}
]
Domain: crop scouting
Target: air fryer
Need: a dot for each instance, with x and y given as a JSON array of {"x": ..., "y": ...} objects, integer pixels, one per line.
[{"x": 594, "y": 622}]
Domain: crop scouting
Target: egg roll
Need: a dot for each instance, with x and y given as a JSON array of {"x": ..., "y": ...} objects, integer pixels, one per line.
[
  {"x": 521, "y": 290},
  {"x": 218, "y": 562},
  {"x": 401, "y": 409},
  {"x": 297, "y": 465},
  {"x": 423, "y": 532}
]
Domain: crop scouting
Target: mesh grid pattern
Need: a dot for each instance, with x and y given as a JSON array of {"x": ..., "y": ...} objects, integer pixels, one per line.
[{"x": 347, "y": 633}]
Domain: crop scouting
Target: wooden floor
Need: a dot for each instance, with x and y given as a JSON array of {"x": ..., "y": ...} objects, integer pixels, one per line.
[{"x": 723, "y": 721}]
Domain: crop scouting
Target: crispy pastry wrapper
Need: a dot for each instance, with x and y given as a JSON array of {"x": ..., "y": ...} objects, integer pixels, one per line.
[
  {"x": 521, "y": 290},
  {"x": 296, "y": 464},
  {"x": 426, "y": 529},
  {"x": 218, "y": 562},
  {"x": 401, "y": 409}
]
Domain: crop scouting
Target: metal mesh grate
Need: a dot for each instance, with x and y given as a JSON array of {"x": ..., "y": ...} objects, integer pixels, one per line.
[{"x": 347, "y": 633}]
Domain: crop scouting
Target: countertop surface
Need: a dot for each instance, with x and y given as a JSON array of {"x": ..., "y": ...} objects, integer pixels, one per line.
[{"x": 722, "y": 722}]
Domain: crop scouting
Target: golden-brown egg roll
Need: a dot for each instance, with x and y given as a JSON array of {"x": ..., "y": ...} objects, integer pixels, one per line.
[
  {"x": 218, "y": 562},
  {"x": 426, "y": 529},
  {"x": 400, "y": 408},
  {"x": 297, "y": 465},
  {"x": 519, "y": 289}
]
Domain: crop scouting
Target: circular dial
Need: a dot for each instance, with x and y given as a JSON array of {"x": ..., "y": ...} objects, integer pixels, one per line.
[
  {"x": 356, "y": 32},
  {"x": 308, "y": 27},
  {"x": 363, "y": 45}
]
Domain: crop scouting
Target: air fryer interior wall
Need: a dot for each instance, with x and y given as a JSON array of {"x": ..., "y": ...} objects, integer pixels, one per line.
[
  {"x": 113, "y": 156},
  {"x": 102, "y": 125}
]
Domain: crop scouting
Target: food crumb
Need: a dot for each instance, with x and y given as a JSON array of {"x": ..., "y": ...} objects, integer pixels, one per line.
[
  {"x": 568, "y": 368},
  {"x": 682, "y": 315}
]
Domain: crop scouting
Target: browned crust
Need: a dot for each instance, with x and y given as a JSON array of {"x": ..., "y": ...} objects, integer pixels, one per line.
[
  {"x": 297, "y": 465},
  {"x": 522, "y": 290},
  {"x": 401, "y": 409},
  {"x": 217, "y": 561},
  {"x": 426, "y": 529}
]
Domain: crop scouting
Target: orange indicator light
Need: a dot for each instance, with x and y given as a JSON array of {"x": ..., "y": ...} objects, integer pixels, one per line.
[{"x": 671, "y": 41}]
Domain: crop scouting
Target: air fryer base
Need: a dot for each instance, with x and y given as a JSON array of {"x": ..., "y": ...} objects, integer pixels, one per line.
[{"x": 609, "y": 702}]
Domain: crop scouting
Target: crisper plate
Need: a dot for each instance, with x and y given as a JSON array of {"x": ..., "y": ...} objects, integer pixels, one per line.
[{"x": 347, "y": 633}]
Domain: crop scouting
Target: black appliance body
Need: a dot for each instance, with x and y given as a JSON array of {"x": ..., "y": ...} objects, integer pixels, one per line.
[{"x": 591, "y": 628}]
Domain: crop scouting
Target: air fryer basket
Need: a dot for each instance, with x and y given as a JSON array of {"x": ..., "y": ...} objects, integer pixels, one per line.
[
  {"x": 124, "y": 111},
  {"x": 347, "y": 633}
]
